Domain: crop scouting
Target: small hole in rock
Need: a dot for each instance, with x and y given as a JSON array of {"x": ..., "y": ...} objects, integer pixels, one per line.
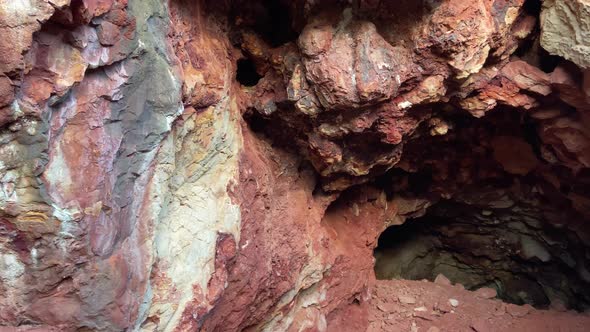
[{"x": 247, "y": 74}]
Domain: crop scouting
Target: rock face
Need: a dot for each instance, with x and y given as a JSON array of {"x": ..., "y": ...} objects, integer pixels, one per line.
[
  {"x": 145, "y": 187},
  {"x": 566, "y": 29}
]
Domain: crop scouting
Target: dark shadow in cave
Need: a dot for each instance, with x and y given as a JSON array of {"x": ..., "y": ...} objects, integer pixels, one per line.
[
  {"x": 533, "y": 7},
  {"x": 523, "y": 263},
  {"x": 246, "y": 73},
  {"x": 275, "y": 27},
  {"x": 271, "y": 20},
  {"x": 255, "y": 121}
]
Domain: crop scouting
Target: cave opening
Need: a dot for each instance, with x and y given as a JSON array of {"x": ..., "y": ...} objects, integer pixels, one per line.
[
  {"x": 512, "y": 250},
  {"x": 246, "y": 73}
]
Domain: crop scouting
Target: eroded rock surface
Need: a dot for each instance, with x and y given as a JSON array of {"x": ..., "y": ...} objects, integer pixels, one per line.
[
  {"x": 565, "y": 30},
  {"x": 143, "y": 187}
]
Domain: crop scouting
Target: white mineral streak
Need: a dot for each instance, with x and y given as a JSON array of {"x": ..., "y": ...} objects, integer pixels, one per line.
[
  {"x": 196, "y": 166},
  {"x": 10, "y": 268},
  {"x": 18, "y": 7},
  {"x": 12, "y": 277}
]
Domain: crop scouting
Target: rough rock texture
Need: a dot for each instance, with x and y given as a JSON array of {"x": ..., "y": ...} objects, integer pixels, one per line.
[
  {"x": 144, "y": 187},
  {"x": 440, "y": 307},
  {"x": 493, "y": 237},
  {"x": 566, "y": 29}
]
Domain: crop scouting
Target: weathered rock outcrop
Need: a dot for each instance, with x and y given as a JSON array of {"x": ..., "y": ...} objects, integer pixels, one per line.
[
  {"x": 145, "y": 187},
  {"x": 565, "y": 30}
]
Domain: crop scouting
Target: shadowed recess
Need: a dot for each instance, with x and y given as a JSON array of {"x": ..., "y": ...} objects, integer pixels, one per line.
[
  {"x": 523, "y": 260},
  {"x": 246, "y": 74}
]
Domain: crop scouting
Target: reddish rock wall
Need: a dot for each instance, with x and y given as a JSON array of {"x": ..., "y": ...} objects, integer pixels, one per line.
[{"x": 144, "y": 188}]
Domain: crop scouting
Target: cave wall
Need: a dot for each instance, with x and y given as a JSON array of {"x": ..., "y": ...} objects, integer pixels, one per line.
[{"x": 144, "y": 188}]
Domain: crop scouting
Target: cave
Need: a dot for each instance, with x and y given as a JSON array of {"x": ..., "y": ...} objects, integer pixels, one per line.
[
  {"x": 487, "y": 220},
  {"x": 513, "y": 250},
  {"x": 480, "y": 196},
  {"x": 310, "y": 165}
]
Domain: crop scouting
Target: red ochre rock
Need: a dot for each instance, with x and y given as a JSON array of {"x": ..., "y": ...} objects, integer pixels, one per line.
[{"x": 143, "y": 187}]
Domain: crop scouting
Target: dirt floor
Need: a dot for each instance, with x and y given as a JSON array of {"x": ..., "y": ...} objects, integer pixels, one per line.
[{"x": 423, "y": 306}]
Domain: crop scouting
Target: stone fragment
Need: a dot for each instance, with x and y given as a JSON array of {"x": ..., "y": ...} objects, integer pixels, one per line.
[
  {"x": 406, "y": 299},
  {"x": 423, "y": 314},
  {"x": 388, "y": 307},
  {"x": 438, "y": 127},
  {"x": 518, "y": 310},
  {"x": 507, "y": 87},
  {"x": 527, "y": 77},
  {"x": 454, "y": 303},
  {"x": 444, "y": 307},
  {"x": 441, "y": 279},
  {"x": 486, "y": 293}
]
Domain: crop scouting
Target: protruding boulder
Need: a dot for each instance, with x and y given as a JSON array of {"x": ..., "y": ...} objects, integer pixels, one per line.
[{"x": 349, "y": 65}]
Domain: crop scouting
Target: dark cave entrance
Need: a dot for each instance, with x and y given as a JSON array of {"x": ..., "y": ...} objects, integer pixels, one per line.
[{"x": 516, "y": 253}]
